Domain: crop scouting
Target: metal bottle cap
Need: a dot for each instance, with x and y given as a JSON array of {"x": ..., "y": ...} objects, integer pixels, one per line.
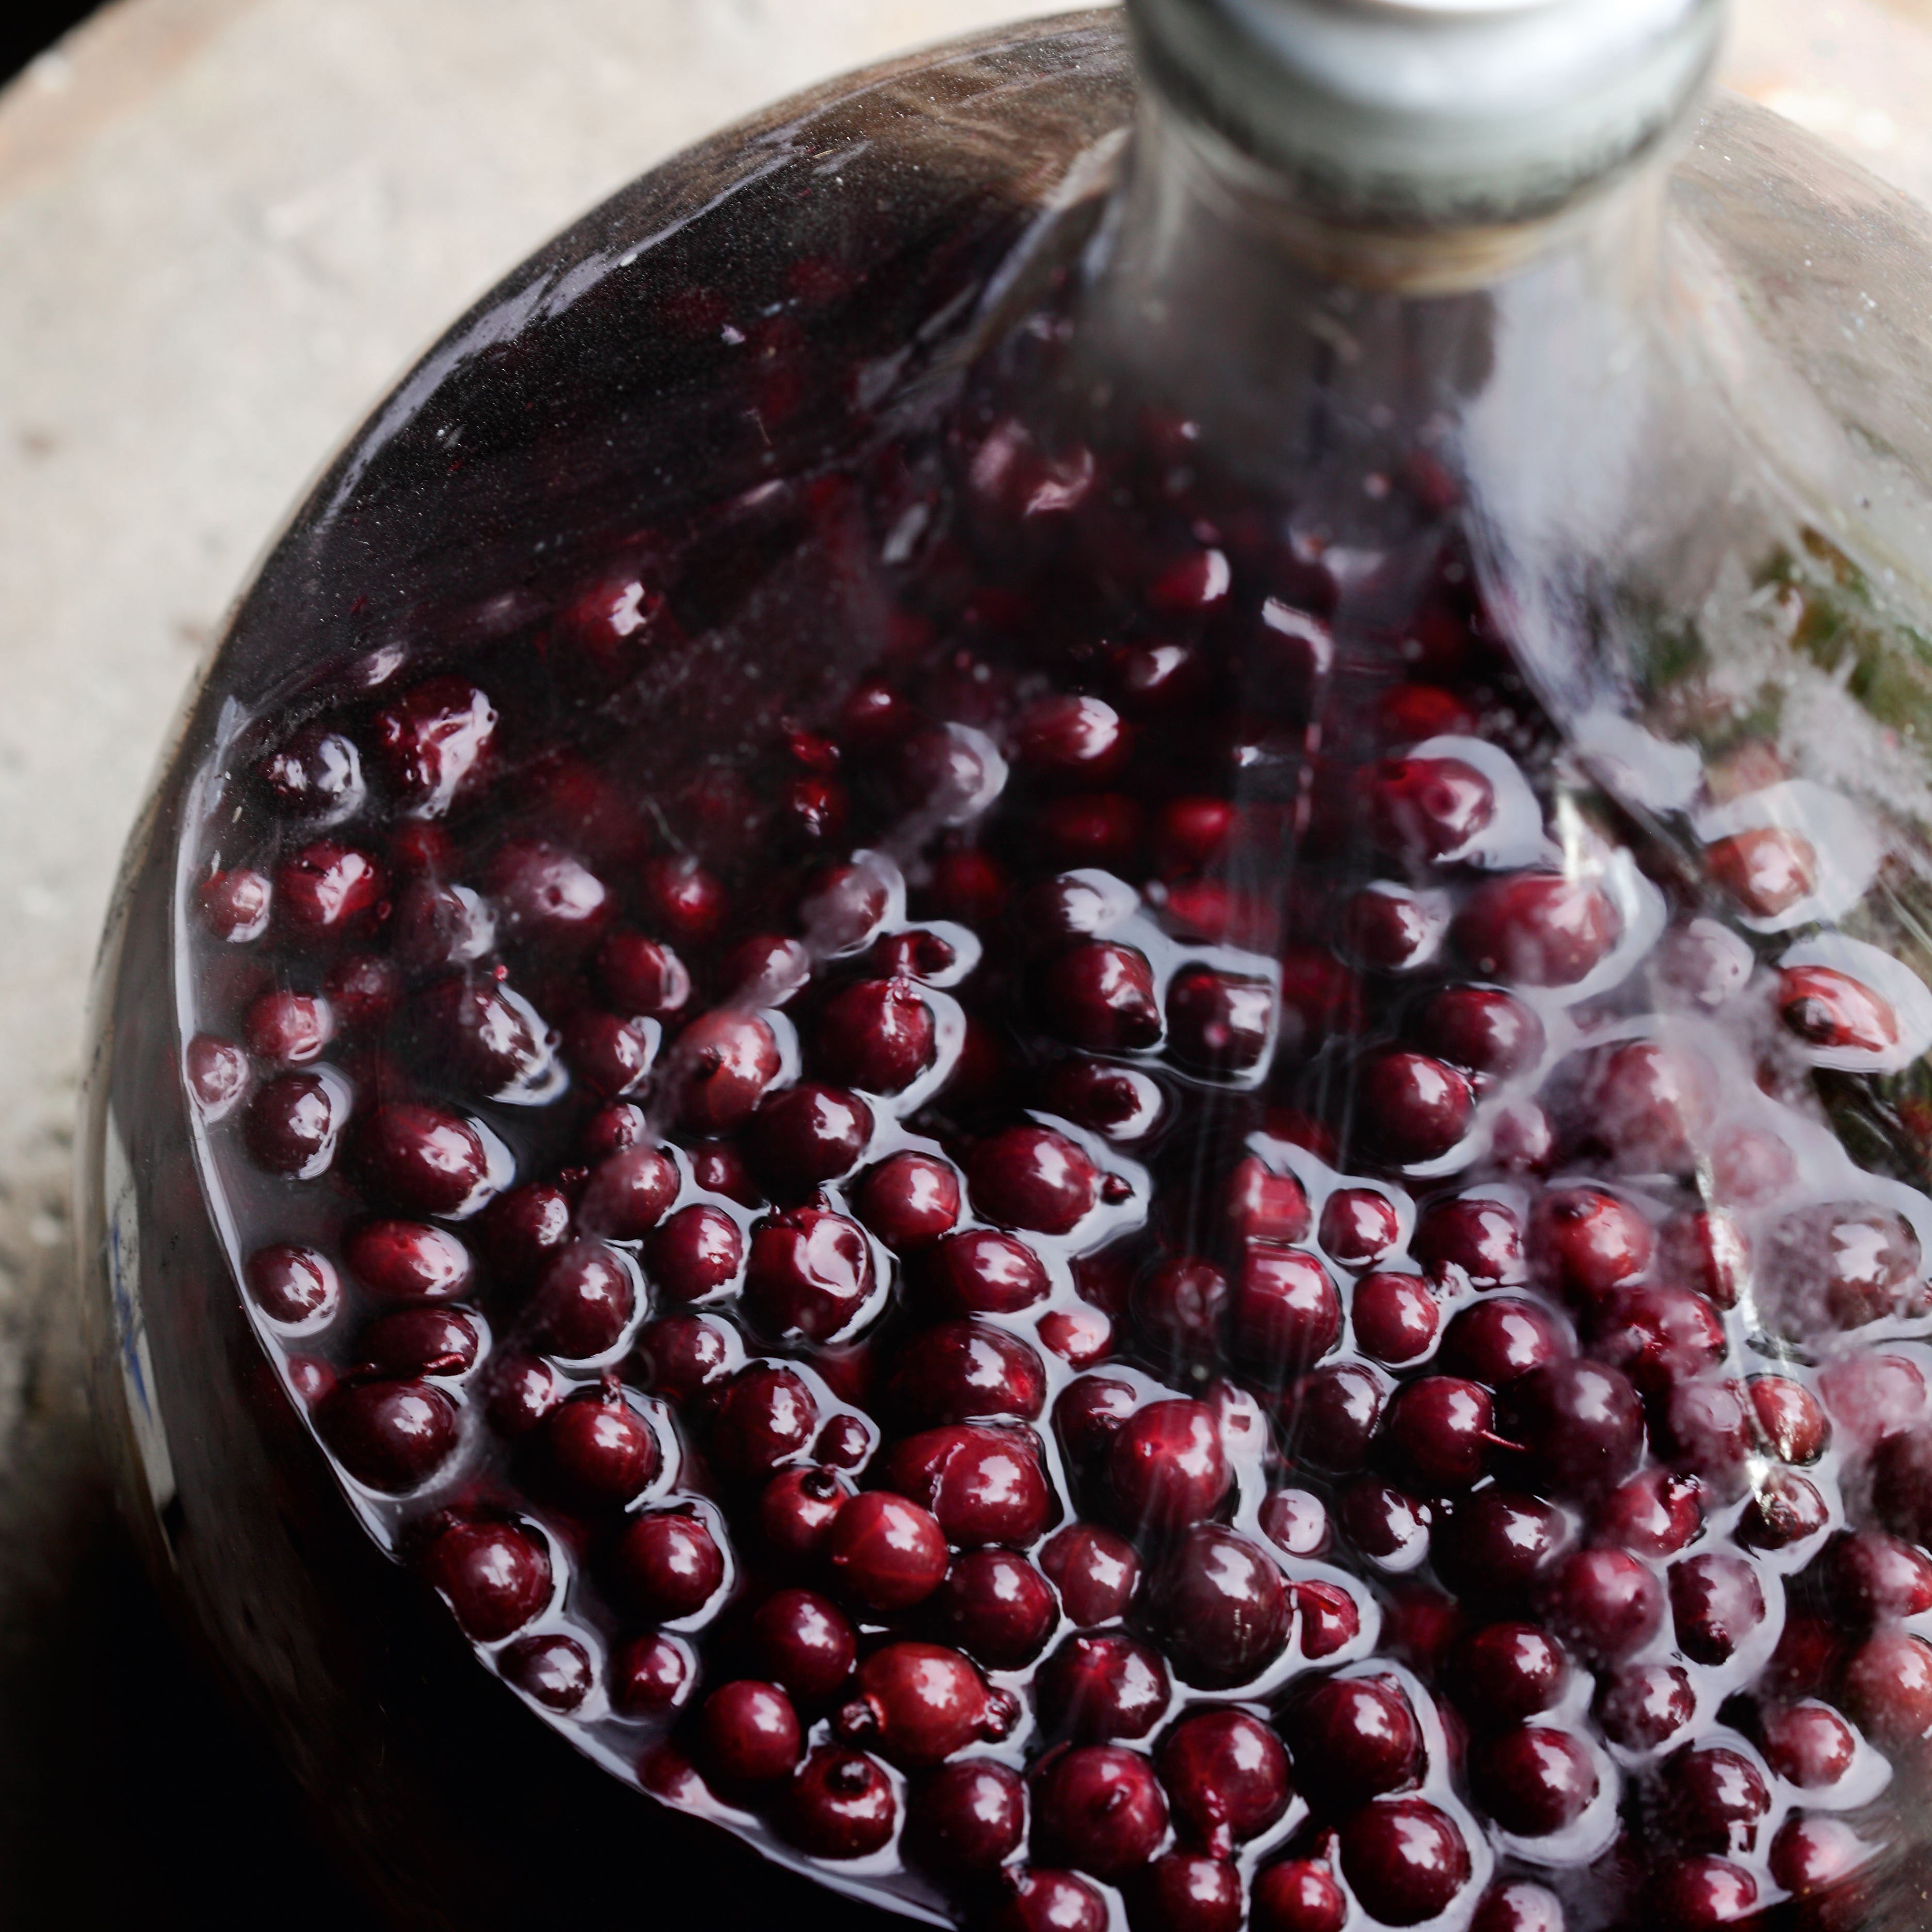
[{"x": 1428, "y": 113}]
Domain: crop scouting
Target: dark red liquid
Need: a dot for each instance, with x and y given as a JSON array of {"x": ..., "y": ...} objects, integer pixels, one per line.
[{"x": 1116, "y": 1225}]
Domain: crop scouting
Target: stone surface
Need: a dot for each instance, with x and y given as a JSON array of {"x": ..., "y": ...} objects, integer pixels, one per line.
[{"x": 226, "y": 224}]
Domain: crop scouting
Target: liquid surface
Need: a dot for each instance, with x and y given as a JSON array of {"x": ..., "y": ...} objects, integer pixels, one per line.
[{"x": 1133, "y": 1250}]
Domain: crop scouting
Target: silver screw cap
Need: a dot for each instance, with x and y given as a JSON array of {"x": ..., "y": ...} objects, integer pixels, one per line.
[{"x": 1429, "y": 113}]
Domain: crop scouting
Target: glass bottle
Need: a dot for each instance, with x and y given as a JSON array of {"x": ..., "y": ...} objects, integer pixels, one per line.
[{"x": 1038, "y": 1002}]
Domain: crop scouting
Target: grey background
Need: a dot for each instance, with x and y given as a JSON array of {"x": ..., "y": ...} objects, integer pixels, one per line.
[{"x": 225, "y": 225}]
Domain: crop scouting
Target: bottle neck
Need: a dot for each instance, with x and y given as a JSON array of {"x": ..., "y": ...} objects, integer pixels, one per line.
[{"x": 1516, "y": 366}]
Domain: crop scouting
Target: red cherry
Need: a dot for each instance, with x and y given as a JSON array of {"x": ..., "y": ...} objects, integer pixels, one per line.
[
  {"x": 1220, "y": 1601},
  {"x": 1080, "y": 1337},
  {"x": 292, "y": 1124},
  {"x": 668, "y": 1565},
  {"x": 1038, "y": 1900},
  {"x": 1498, "y": 1542},
  {"x": 1098, "y": 1808},
  {"x": 1826, "y": 1008},
  {"x": 1767, "y": 870},
  {"x": 684, "y": 899},
  {"x": 918, "y": 1704},
  {"x": 878, "y": 1035},
  {"x": 1482, "y": 1029},
  {"x": 217, "y": 1075},
  {"x": 1227, "y": 1777},
  {"x": 683, "y": 1355},
  {"x": 840, "y": 1804},
  {"x": 810, "y": 1133},
  {"x": 1416, "y": 1109},
  {"x": 1604, "y": 1603},
  {"x": 983, "y": 1272},
  {"x": 1327, "y": 1617},
  {"x": 728, "y": 1059},
  {"x": 1396, "y": 1318},
  {"x": 1789, "y": 1415},
  {"x": 1888, "y": 1690},
  {"x": 288, "y": 1029},
  {"x": 1166, "y": 1466},
  {"x": 698, "y": 1251},
  {"x": 1812, "y": 1854},
  {"x": 627, "y": 1195},
  {"x": 1363, "y": 1733},
  {"x": 1534, "y": 1779},
  {"x": 642, "y": 977},
  {"x": 1296, "y": 1520},
  {"x": 1183, "y": 1891},
  {"x": 602, "y": 1449},
  {"x": 1538, "y": 928},
  {"x": 1654, "y": 1515},
  {"x": 391, "y": 1436},
  {"x": 1589, "y": 1242},
  {"x": 997, "y": 1607},
  {"x": 967, "y": 1371},
  {"x": 1718, "y": 1797},
  {"x": 1784, "y": 1508},
  {"x": 1101, "y": 996},
  {"x": 1506, "y": 1672},
  {"x": 1808, "y": 1743},
  {"x": 1471, "y": 1241},
  {"x": 1332, "y": 1416},
  {"x": 422, "y": 1158},
  {"x": 1359, "y": 1227},
  {"x": 1693, "y": 1894},
  {"x": 1641, "y": 1706},
  {"x": 291, "y": 1284},
  {"x": 436, "y": 743},
  {"x": 1442, "y": 1427},
  {"x": 1032, "y": 1177},
  {"x": 982, "y": 1485},
  {"x": 795, "y": 1510},
  {"x": 748, "y": 1735},
  {"x": 1095, "y": 1571},
  {"x": 523, "y": 1391},
  {"x": 651, "y": 1674},
  {"x": 1426, "y": 809},
  {"x": 328, "y": 892},
  {"x": 810, "y": 1276},
  {"x": 909, "y": 1200},
  {"x": 805, "y": 1642},
  {"x": 887, "y": 1553},
  {"x": 1286, "y": 1311},
  {"x": 1119, "y": 1102},
  {"x": 235, "y": 905},
  {"x": 555, "y": 1670},
  {"x": 1518, "y": 1907},
  {"x": 1263, "y": 1206},
  {"x": 1404, "y": 1859},
  {"x": 587, "y": 1300},
  {"x": 1299, "y": 1895},
  {"x": 766, "y": 1415},
  {"x": 967, "y": 1818},
  {"x": 417, "y": 1342},
  {"x": 1706, "y": 1251},
  {"x": 497, "y": 1576},
  {"x": 1658, "y": 1336},
  {"x": 1879, "y": 1578},
  {"x": 408, "y": 1261},
  {"x": 1497, "y": 1342},
  {"x": 1219, "y": 1022},
  {"x": 527, "y": 1229}
]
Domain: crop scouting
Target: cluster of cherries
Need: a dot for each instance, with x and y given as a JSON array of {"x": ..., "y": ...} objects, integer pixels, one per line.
[{"x": 1101, "y": 1280}]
